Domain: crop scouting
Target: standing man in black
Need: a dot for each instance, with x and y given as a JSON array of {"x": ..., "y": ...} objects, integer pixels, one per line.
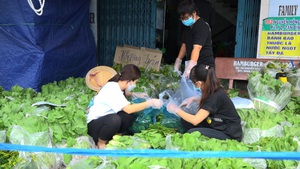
[{"x": 196, "y": 39}]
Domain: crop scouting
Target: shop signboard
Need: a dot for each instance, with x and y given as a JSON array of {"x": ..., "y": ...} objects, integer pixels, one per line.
[{"x": 279, "y": 36}]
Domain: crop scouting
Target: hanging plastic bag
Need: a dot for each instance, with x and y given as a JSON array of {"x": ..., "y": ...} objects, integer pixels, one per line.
[
  {"x": 186, "y": 89},
  {"x": 183, "y": 92}
]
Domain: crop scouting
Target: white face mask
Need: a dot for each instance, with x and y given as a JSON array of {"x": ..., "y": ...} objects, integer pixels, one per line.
[{"x": 130, "y": 86}]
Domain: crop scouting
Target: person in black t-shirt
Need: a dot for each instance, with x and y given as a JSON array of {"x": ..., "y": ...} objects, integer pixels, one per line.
[
  {"x": 206, "y": 11},
  {"x": 196, "y": 39},
  {"x": 217, "y": 116}
]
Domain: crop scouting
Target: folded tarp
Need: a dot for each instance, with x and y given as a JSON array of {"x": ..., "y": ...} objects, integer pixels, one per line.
[{"x": 43, "y": 43}]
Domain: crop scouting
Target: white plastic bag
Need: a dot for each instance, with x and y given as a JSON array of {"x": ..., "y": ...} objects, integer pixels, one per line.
[{"x": 240, "y": 103}]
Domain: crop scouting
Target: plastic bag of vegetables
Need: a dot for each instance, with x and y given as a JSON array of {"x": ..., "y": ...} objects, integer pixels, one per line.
[
  {"x": 127, "y": 142},
  {"x": 294, "y": 78},
  {"x": 273, "y": 67},
  {"x": 268, "y": 93},
  {"x": 143, "y": 118},
  {"x": 85, "y": 142},
  {"x": 2, "y": 136},
  {"x": 34, "y": 160}
]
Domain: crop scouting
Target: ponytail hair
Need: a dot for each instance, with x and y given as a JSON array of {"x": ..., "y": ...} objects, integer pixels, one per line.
[
  {"x": 129, "y": 72},
  {"x": 207, "y": 75}
]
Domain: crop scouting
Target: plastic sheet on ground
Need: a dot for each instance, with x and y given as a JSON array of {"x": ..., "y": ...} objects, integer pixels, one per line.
[{"x": 240, "y": 103}]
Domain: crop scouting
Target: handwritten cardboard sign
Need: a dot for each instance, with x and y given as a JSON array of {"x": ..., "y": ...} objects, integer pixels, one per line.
[{"x": 141, "y": 57}]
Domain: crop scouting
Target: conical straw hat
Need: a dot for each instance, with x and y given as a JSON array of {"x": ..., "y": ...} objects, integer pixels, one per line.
[{"x": 98, "y": 77}]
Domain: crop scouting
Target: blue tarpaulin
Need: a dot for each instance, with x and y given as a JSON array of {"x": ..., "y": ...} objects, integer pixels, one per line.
[{"x": 43, "y": 45}]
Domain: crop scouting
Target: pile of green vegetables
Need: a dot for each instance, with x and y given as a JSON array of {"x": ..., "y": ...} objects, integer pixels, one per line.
[
  {"x": 64, "y": 123},
  {"x": 267, "y": 92}
]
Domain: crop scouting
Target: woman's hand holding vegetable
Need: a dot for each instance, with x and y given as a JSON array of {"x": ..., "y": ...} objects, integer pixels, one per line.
[
  {"x": 173, "y": 108},
  {"x": 154, "y": 103}
]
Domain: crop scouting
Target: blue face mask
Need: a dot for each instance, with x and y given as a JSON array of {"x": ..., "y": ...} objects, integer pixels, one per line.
[
  {"x": 188, "y": 22},
  {"x": 197, "y": 89}
]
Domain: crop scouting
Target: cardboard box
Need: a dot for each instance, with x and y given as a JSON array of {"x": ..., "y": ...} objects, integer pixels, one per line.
[{"x": 141, "y": 57}]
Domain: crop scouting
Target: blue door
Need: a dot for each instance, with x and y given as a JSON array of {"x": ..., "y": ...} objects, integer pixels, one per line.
[
  {"x": 247, "y": 28},
  {"x": 124, "y": 22}
]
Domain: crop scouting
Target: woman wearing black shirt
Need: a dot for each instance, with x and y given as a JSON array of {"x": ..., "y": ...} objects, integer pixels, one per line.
[{"x": 217, "y": 116}]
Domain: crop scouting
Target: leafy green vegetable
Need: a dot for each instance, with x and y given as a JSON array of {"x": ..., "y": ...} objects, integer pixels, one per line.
[{"x": 268, "y": 93}]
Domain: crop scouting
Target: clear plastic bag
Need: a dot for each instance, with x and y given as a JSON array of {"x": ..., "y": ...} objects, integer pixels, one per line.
[
  {"x": 2, "y": 136},
  {"x": 169, "y": 145},
  {"x": 41, "y": 160},
  {"x": 143, "y": 118},
  {"x": 92, "y": 162},
  {"x": 252, "y": 135},
  {"x": 182, "y": 93},
  {"x": 256, "y": 163},
  {"x": 177, "y": 96},
  {"x": 273, "y": 67},
  {"x": 294, "y": 79},
  {"x": 240, "y": 103},
  {"x": 85, "y": 142},
  {"x": 266, "y": 98}
]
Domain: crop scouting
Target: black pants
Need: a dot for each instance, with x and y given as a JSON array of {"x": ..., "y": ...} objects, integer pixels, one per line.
[
  {"x": 107, "y": 126},
  {"x": 205, "y": 130}
]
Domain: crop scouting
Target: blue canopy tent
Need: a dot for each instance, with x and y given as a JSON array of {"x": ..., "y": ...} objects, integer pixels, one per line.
[{"x": 44, "y": 41}]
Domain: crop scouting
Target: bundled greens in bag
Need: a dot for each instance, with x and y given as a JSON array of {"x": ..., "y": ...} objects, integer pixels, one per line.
[
  {"x": 268, "y": 93},
  {"x": 35, "y": 159},
  {"x": 143, "y": 118},
  {"x": 294, "y": 78},
  {"x": 273, "y": 67},
  {"x": 2, "y": 136}
]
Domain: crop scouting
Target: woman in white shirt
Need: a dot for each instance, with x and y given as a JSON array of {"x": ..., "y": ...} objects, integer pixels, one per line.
[{"x": 111, "y": 112}]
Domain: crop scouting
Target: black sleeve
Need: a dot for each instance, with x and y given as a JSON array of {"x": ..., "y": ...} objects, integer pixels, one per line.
[{"x": 201, "y": 33}]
